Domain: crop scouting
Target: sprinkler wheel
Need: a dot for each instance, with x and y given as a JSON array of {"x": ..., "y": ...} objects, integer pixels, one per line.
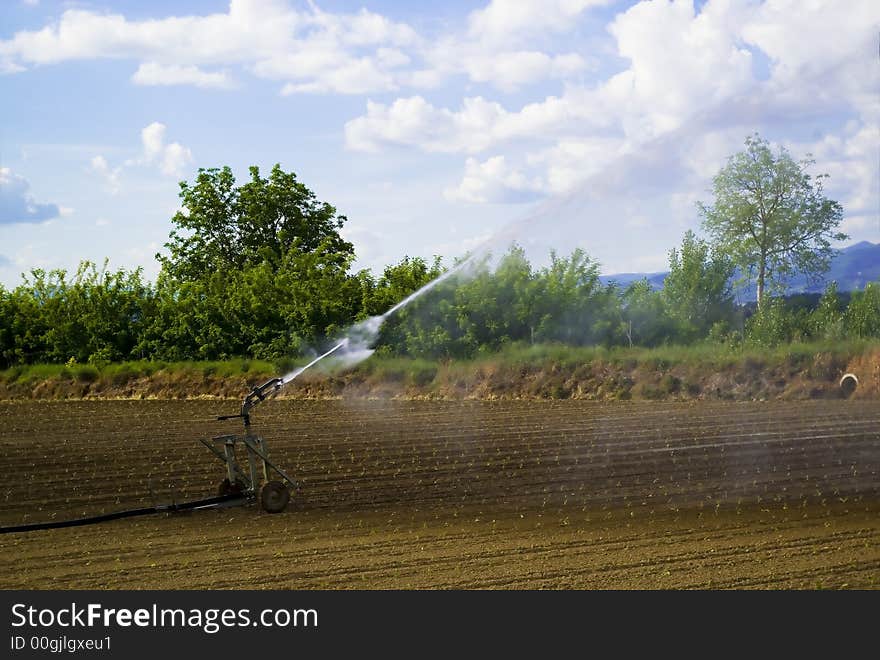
[{"x": 274, "y": 497}]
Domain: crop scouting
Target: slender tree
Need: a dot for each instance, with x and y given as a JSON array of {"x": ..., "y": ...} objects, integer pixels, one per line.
[
  {"x": 697, "y": 289},
  {"x": 772, "y": 217}
]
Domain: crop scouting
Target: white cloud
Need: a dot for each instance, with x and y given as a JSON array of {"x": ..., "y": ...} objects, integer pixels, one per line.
[
  {"x": 153, "y": 73},
  {"x": 99, "y": 165},
  {"x": 477, "y": 126},
  {"x": 415, "y": 122},
  {"x": 171, "y": 158},
  {"x": 811, "y": 35},
  {"x": 851, "y": 161},
  {"x": 153, "y": 139},
  {"x": 175, "y": 157},
  {"x": 680, "y": 61},
  {"x": 503, "y": 21},
  {"x": 354, "y": 76},
  {"x": 494, "y": 181},
  {"x": 690, "y": 73},
  {"x": 311, "y": 50},
  {"x": 571, "y": 160},
  {"x": 9, "y": 67},
  {"x": 510, "y": 70},
  {"x": 16, "y": 203},
  {"x": 494, "y": 49}
]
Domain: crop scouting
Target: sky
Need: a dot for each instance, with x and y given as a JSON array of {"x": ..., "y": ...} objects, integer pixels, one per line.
[{"x": 431, "y": 126}]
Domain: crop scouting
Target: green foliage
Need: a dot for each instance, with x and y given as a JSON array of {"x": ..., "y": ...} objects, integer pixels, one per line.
[
  {"x": 697, "y": 291},
  {"x": 827, "y": 320},
  {"x": 259, "y": 269},
  {"x": 777, "y": 323},
  {"x": 396, "y": 283},
  {"x": 494, "y": 305},
  {"x": 86, "y": 373},
  {"x": 259, "y": 272},
  {"x": 862, "y": 317},
  {"x": 645, "y": 321},
  {"x": 221, "y": 226},
  {"x": 97, "y": 315},
  {"x": 771, "y": 217}
]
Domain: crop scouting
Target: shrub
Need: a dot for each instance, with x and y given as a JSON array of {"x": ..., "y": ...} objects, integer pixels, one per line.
[{"x": 86, "y": 373}]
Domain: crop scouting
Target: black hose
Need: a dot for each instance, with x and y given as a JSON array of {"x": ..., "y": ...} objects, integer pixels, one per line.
[{"x": 130, "y": 513}]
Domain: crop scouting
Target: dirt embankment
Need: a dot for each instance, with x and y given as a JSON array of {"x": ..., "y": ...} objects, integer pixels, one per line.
[{"x": 810, "y": 377}]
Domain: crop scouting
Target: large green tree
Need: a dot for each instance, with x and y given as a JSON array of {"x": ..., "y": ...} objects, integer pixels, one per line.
[
  {"x": 224, "y": 226},
  {"x": 772, "y": 217}
]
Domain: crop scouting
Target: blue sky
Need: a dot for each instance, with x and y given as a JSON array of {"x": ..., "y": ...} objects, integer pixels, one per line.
[{"x": 432, "y": 126}]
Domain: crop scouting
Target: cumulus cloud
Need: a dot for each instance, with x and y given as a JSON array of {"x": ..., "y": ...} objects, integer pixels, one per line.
[
  {"x": 494, "y": 181},
  {"x": 832, "y": 49},
  {"x": 415, "y": 122},
  {"x": 17, "y": 205},
  {"x": 571, "y": 160},
  {"x": 153, "y": 73},
  {"x": 496, "y": 48},
  {"x": 513, "y": 20},
  {"x": 507, "y": 70},
  {"x": 690, "y": 72},
  {"x": 478, "y": 125},
  {"x": 851, "y": 161},
  {"x": 171, "y": 159},
  {"x": 311, "y": 50},
  {"x": 353, "y": 76},
  {"x": 99, "y": 165}
]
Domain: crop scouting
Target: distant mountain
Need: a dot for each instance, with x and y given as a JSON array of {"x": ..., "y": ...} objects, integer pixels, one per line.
[
  {"x": 625, "y": 279},
  {"x": 852, "y": 268}
]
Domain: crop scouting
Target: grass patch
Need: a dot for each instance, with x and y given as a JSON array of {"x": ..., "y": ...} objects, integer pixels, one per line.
[
  {"x": 86, "y": 373},
  {"x": 119, "y": 373},
  {"x": 221, "y": 368},
  {"x": 817, "y": 359},
  {"x": 661, "y": 358},
  {"x": 413, "y": 371}
]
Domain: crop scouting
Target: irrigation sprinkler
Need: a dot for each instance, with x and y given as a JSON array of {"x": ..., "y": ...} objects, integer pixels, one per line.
[
  {"x": 261, "y": 476},
  {"x": 274, "y": 493}
]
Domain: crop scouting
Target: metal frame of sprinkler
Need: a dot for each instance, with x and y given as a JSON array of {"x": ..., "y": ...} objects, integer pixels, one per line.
[{"x": 274, "y": 493}]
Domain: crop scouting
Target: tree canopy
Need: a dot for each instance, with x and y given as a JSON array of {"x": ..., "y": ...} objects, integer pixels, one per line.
[
  {"x": 222, "y": 226},
  {"x": 771, "y": 217}
]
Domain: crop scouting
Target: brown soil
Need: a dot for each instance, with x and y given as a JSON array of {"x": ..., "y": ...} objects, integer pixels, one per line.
[{"x": 453, "y": 495}]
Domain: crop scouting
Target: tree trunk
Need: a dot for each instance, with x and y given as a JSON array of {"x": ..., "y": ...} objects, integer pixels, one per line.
[{"x": 761, "y": 276}]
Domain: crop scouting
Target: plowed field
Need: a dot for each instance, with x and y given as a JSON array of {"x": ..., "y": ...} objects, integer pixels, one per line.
[{"x": 562, "y": 494}]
